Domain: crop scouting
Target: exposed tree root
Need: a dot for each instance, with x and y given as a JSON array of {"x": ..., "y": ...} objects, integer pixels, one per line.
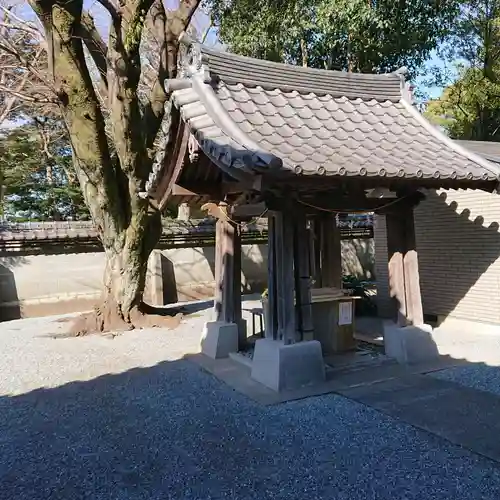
[{"x": 107, "y": 317}]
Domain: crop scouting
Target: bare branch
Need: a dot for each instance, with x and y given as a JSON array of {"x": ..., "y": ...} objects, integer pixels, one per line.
[
  {"x": 207, "y": 31},
  {"x": 153, "y": 113},
  {"x": 112, "y": 8},
  {"x": 25, "y": 28},
  {"x": 26, "y": 97},
  {"x": 26, "y": 64},
  {"x": 95, "y": 45},
  {"x": 167, "y": 30}
]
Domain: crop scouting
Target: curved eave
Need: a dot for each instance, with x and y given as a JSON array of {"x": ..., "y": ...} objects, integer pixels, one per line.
[
  {"x": 491, "y": 171},
  {"x": 233, "y": 106},
  {"x": 218, "y": 136},
  {"x": 232, "y": 68}
]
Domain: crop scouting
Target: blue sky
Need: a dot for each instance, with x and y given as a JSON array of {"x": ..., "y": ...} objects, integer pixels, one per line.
[{"x": 201, "y": 22}]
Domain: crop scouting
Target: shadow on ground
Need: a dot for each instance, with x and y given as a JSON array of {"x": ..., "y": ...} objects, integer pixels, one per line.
[{"x": 172, "y": 431}]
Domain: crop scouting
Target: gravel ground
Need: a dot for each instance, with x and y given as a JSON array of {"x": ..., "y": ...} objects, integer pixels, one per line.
[
  {"x": 477, "y": 376},
  {"x": 95, "y": 418}
]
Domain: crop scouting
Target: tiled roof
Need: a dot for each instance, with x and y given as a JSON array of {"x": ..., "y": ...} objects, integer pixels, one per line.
[
  {"x": 86, "y": 230},
  {"x": 83, "y": 230},
  {"x": 250, "y": 115},
  {"x": 488, "y": 150}
]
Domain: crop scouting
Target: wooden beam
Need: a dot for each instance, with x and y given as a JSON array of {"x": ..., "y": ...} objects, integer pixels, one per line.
[
  {"x": 334, "y": 200},
  {"x": 228, "y": 288},
  {"x": 331, "y": 253},
  {"x": 224, "y": 302},
  {"x": 248, "y": 211},
  {"x": 414, "y": 310},
  {"x": 285, "y": 276},
  {"x": 219, "y": 270},
  {"x": 271, "y": 326},
  {"x": 236, "y": 294},
  {"x": 396, "y": 251},
  {"x": 314, "y": 235},
  {"x": 404, "y": 282},
  {"x": 174, "y": 167},
  {"x": 303, "y": 278},
  {"x": 181, "y": 191}
]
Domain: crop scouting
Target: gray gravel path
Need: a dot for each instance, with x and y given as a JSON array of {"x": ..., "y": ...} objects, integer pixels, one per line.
[
  {"x": 476, "y": 376},
  {"x": 127, "y": 419}
]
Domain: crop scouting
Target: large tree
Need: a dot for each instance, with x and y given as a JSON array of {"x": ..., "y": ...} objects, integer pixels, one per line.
[
  {"x": 353, "y": 35},
  {"x": 112, "y": 101},
  {"x": 38, "y": 177},
  {"x": 470, "y": 106}
]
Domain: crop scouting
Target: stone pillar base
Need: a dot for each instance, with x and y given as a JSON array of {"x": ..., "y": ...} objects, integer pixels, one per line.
[
  {"x": 409, "y": 344},
  {"x": 219, "y": 339},
  {"x": 279, "y": 366}
]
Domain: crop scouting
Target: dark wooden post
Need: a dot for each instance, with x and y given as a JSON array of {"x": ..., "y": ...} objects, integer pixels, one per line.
[
  {"x": 302, "y": 278},
  {"x": 219, "y": 270},
  {"x": 285, "y": 275},
  {"x": 272, "y": 297},
  {"x": 225, "y": 299},
  {"x": 315, "y": 252},
  {"x": 331, "y": 254},
  {"x": 237, "y": 273},
  {"x": 404, "y": 283}
]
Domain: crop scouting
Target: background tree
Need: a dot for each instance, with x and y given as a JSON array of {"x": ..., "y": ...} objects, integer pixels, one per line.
[
  {"x": 39, "y": 179},
  {"x": 113, "y": 124},
  {"x": 353, "y": 35},
  {"x": 470, "y": 107}
]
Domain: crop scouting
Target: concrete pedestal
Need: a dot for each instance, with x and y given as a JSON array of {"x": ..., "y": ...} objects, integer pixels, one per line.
[
  {"x": 219, "y": 339},
  {"x": 410, "y": 344},
  {"x": 279, "y": 366}
]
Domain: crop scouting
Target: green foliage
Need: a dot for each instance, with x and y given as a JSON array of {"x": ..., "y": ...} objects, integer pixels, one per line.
[
  {"x": 366, "y": 305},
  {"x": 355, "y": 35},
  {"x": 470, "y": 107},
  {"x": 40, "y": 183}
]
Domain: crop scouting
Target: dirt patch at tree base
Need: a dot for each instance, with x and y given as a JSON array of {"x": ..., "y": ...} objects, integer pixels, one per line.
[{"x": 106, "y": 318}]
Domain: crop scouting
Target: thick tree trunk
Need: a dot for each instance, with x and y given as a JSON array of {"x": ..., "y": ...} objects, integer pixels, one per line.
[
  {"x": 127, "y": 253},
  {"x": 126, "y": 264},
  {"x": 124, "y": 280},
  {"x": 113, "y": 170}
]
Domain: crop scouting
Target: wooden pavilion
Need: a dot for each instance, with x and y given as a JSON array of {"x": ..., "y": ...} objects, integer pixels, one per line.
[{"x": 303, "y": 144}]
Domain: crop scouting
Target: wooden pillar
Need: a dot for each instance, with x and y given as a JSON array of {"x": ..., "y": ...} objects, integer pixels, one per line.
[
  {"x": 237, "y": 316},
  {"x": 224, "y": 303},
  {"x": 302, "y": 259},
  {"x": 272, "y": 297},
  {"x": 285, "y": 289},
  {"x": 404, "y": 283},
  {"x": 315, "y": 252},
  {"x": 219, "y": 270},
  {"x": 331, "y": 253}
]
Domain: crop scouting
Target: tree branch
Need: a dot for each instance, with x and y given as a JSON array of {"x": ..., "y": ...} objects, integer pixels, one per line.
[
  {"x": 26, "y": 64},
  {"x": 134, "y": 17},
  {"x": 168, "y": 30},
  {"x": 95, "y": 45},
  {"x": 82, "y": 115},
  {"x": 154, "y": 110},
  {"x": 113, "y": 10},
  {"x": 16, "y": 92},
  {"x": 26, "y": 97}
]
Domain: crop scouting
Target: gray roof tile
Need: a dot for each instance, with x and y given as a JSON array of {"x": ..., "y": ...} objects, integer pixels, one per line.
[
  {"x": 339, "y": 123},
  {"x": 487, "y": 149}
]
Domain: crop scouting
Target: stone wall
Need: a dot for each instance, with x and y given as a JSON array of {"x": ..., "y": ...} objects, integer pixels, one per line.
[{"x": 38, "y": 285}]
